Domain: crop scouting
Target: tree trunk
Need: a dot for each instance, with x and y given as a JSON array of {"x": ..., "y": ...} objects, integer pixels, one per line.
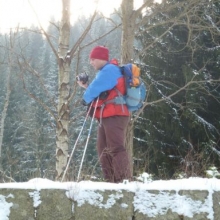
[
  {"x": 128, "y": 31},
  {"x": 7, "y": 97},
  {"x": 4, "y": 112},
  {"x": 62, "y": 127},
  {"x": 127, "y": 53}
]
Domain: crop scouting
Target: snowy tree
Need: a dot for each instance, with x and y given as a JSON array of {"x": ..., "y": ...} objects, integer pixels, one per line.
[{"x": 181, "y": 64}]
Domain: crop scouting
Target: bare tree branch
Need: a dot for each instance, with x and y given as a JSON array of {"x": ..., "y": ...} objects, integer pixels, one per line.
[
  {"x": 82, "y": 37},
  {"x": 45, "y": 33},
  {"x": 33, "y": 96}
]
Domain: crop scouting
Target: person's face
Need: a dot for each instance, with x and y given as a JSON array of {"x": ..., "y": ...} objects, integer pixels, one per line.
[{"x": 97, "y": 64}]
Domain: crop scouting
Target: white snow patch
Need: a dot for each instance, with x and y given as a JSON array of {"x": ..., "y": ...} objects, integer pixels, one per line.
[
  {"x": 123, "y": 205},
  {"x": 36, "y": 198},
  {"x": 5, "y": 207},
  {"x": 94, "y": 198},
  {"x": 153, "y": 204}
]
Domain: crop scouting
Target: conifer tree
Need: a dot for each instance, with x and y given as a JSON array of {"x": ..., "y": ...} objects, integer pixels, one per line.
[{"x": 180, "y": 134}]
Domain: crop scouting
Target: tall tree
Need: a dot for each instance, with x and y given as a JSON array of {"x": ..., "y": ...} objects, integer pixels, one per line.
[
  {"x": 63, "y": 110},
  {"x": 179, "y": 131},
  {"x": 65, "y": 55},
  {"x": 10, "y": 41},
  {"x": 163, "y": 18},
  {"x": 129, "y": 26}
]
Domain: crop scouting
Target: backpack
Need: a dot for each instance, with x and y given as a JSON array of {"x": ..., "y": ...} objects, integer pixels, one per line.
[{"x": 135, "y": 88}]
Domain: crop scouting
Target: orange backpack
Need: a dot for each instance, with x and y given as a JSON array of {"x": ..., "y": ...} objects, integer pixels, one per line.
[{"x": 135, "y": 88}]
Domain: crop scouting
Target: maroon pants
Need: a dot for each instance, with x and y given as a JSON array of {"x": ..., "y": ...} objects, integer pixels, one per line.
[{"x": 111, "y": 148}]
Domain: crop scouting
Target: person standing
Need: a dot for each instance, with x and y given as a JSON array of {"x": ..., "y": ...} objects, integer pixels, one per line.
[{"x": 113, "y": 118}]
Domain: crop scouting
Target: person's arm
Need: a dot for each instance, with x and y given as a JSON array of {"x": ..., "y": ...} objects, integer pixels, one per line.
[{"x": 105, "y": 80}]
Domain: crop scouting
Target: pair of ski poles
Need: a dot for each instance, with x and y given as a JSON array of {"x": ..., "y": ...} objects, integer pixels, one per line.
[{"x": 87, "y": 140}]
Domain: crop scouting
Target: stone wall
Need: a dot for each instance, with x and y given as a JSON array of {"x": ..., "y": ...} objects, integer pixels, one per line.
[{"x": 118, "y": 204}]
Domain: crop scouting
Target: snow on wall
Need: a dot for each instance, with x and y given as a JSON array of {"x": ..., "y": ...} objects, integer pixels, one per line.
[{"x": 187, "y": 197}]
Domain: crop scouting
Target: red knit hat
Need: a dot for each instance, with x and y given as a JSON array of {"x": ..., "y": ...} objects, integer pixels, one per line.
[{"x": 99, "y": 52}]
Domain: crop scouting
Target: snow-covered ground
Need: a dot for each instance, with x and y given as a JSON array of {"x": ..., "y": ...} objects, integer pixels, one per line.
[{"x": 188, "y": 208}]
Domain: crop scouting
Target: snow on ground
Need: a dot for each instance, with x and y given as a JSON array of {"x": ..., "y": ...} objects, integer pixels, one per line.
[{"x": 85, "y": 189}]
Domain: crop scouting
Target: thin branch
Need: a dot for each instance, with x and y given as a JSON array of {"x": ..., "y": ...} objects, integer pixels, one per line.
[
  {"x": 8, "y": 177},
  {"x": 102, "y": 36},
  {"x": 34, "y": 97},
  {"x": 82, "y": 37},
  {"x": 45, "y": 33},
  {"x": 173, "y": 94},
  {"x": 35, "y": 73}
]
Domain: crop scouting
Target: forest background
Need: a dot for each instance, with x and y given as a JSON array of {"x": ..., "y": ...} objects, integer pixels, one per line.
[{"x": 176, "y": 133}]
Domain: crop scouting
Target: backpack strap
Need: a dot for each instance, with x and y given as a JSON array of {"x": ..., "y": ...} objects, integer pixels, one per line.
[{"x": 118, "y": 100}]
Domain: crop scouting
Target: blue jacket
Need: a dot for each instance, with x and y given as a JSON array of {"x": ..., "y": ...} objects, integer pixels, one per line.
[{"x": 106, "y": 79}]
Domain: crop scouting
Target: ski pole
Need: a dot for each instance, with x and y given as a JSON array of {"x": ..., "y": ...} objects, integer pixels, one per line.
[
  {"x": 87, "y": 139},
  {"x": 67, "y": 166}
]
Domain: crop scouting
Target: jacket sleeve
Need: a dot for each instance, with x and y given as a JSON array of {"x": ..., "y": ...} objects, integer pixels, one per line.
[{"x": 105, "y": 79}]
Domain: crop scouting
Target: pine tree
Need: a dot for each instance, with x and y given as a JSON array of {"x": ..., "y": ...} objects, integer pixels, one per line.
[{"x": 180, "y": 133}]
